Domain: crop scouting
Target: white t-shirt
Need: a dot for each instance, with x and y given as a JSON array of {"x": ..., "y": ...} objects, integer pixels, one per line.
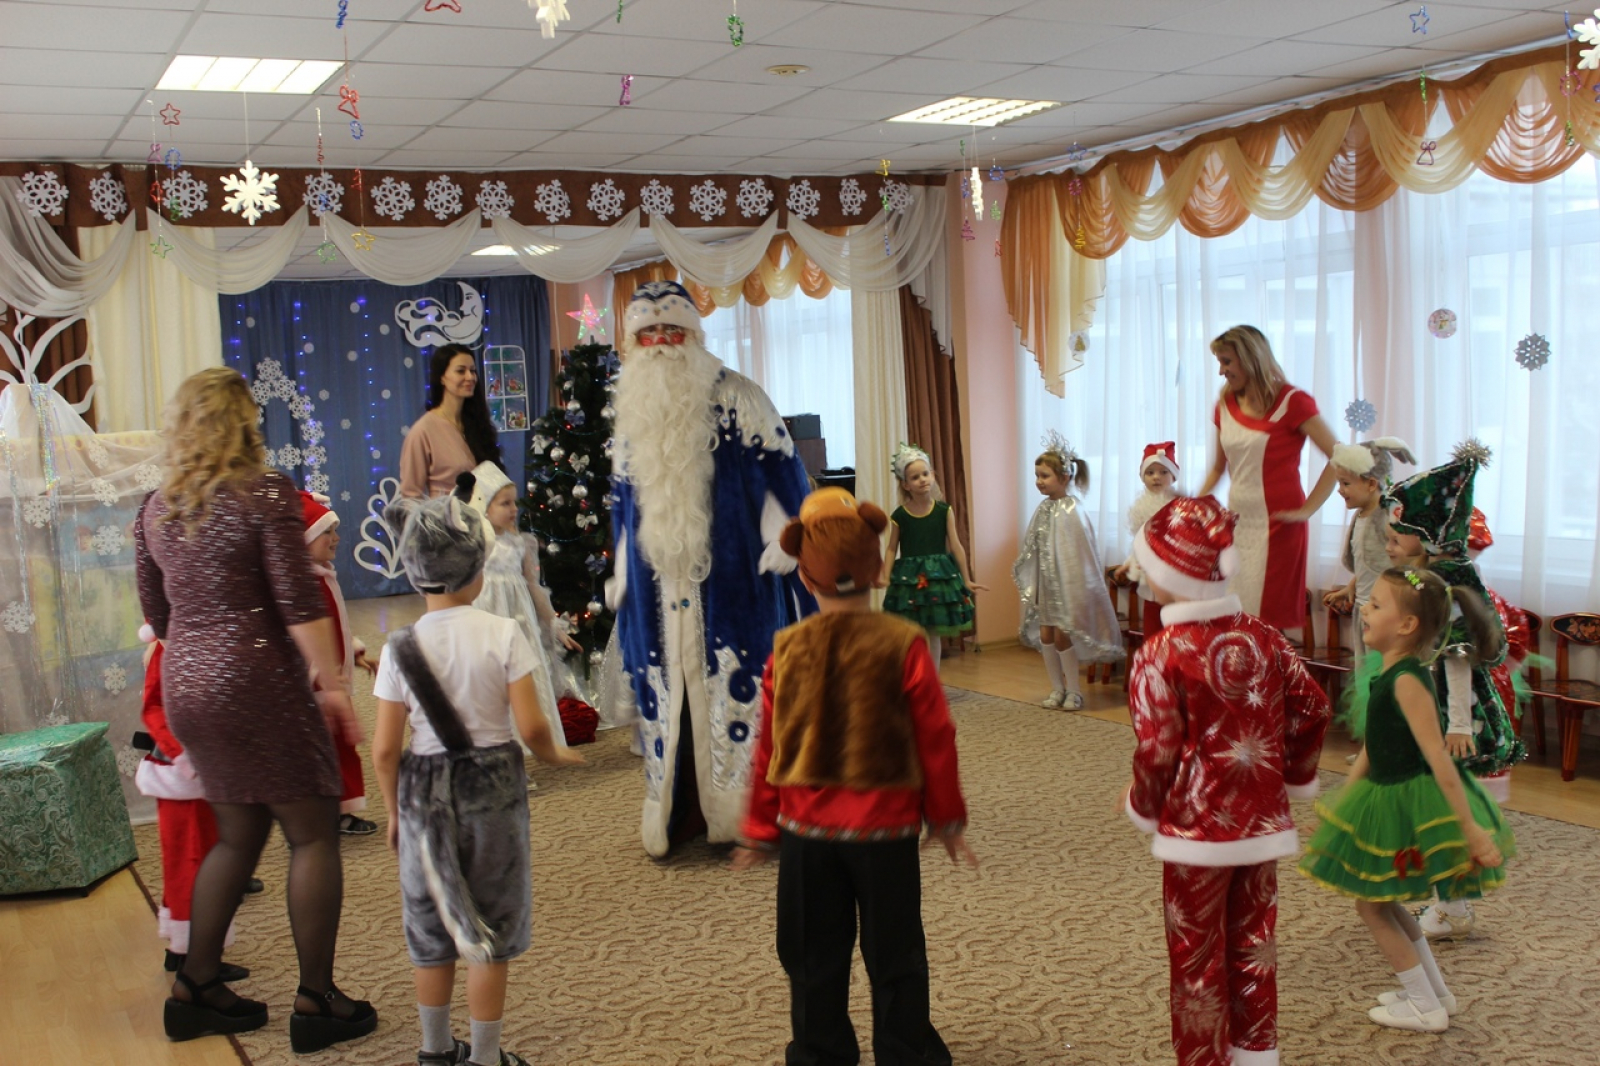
[{"x": 475, "y": 656}]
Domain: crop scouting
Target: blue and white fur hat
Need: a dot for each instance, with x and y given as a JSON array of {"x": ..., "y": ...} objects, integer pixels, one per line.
[{"x": 657, "y": 303}]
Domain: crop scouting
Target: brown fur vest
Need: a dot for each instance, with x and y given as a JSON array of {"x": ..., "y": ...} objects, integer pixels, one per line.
[{"x": 840, "y": 717}]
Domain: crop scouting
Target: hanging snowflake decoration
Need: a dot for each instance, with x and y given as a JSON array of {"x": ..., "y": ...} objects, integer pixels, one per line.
[
  {"x": 147, "y": 476},
  {"x": 1533, "y": 352},
  {"x": 16, "y": 618},
  {"x": 261, "y": 391},
  {"x": 804, "y": 201},
  {"x": 754, "y": 198},
  {"x": 851, "y": 196},
  {"x": 185, "y": 194},
  {"x": 255, "y": 192},
  {"x": 1360, "y": 415},
  {"x": 115, "y": 678},
  {"x": 36, "y": 511},
  {"x": 324, "y": 195},
  {"x": 271, "y": 458},
  {"x": 300, "y": 407},
  {"x": 553, "y": 202},
  {"x": 708, "y": 200},
  {"x": 493, "y": 200},
  {"x": 344, "y": 496},
  {"x": 108, "y": 540},
  {"x": 318, "y": 482},
  {"x": 896, "y": 196},
  {"x": 314, "y": 455},
  {"x": 288, "y": 457},
  {"x": 656, "y": 198},
  {"x": 103, "y": 491},
  {"x": 605, "y": 200},
  {"x": 444, "y": 197},
  {"x": 392, "y": 199},
  {"x": 108, "y": 197},
  {"x": 42, "y": 193},
  {"x": 312, "y": 431},
  {"x": 1588, "y": 31}
]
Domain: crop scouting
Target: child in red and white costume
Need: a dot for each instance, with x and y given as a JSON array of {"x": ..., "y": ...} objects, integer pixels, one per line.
[
  {"x": 1229, "y": 727},
  {"x": 1159, "y": 472},
  {"x": 322, "y": 541}
]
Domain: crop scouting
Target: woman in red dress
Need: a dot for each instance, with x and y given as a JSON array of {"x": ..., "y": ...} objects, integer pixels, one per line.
[{"x": 1262, "y": 424}]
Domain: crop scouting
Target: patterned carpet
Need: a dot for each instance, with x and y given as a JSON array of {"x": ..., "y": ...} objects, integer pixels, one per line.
[{"x": 1051, "y": 953}]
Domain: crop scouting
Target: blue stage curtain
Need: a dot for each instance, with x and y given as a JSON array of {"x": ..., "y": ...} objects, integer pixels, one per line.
[{"x": 339, "y": 345}]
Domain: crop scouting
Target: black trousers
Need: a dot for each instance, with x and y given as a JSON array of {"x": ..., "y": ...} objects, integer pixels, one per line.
[{"x": 821, "y": 886}]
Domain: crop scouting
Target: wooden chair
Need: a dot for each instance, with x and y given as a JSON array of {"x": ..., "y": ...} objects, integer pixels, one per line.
[
  {"x": 1535, "y": 680},
  {"x": 1573, "y": 696},
  {"x": 1132, "y": 623},
  {"x": 1330, "y": 662}
]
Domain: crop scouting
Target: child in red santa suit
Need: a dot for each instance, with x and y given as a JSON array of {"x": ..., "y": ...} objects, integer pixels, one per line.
[
  {"x": 856, "y": 754},
  {"x": 322, "y": 541},
  {"x": 1158, "y": 470},
  {"x": 1229, "y": 726},
  {"x": 187, "y": 828}
]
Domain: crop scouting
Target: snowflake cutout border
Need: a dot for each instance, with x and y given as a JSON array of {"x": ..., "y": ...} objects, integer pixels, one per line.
[
  {"x": 1588, "y": 31},
  {"x": 392, "y": 199},
  {"x": 804, "y": 201},
  {"x": 494, "y": 200},
  {"x": 108, "y": 540},
  {"x": 754, "y": 198},
  {"x": 1533, "y": 352},
  {"x": 185, "y": 194},
  {"x": 324, "y": 194},
  {"x": 16, "y": 618},
  {"x": 553, "y": 202},
  {"x": 605, "y": 200},
  {"x": 896, "y": 196},
  {"x": 851, "y": 196},
  {"x": 708, "y": 200},
  {"x": 317, "y": 482},
  {"x": 1360, "y": 415},
  {"x": 108, "y": 197},
  {"x": 656, "y": 198},
  {"x": 255, "y": 193},
  {"x": 42, "y": 193},
  {"x": 444, "y": 197}
]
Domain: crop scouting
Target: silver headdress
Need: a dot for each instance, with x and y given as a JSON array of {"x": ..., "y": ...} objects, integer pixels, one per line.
[
  {"x": 904, "y": 456},
  {"x": 1057, "y": 445}
]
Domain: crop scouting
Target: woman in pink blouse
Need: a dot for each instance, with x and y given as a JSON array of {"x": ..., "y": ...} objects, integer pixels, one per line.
[
  {"x": 455, "y": 434},
  {"x": 1262, "y": 424}
]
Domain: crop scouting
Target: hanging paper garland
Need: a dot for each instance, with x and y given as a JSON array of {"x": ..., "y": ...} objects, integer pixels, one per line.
[
  {"x": 1533, "y": 352},
  {"x": 736, "y": 26},
  {"x": 1360, "y": 416},
  {"x": 1442, "y": 323}
]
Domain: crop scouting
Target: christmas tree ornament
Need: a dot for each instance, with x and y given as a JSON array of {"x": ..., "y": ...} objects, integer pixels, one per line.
[
  {"x": 588, "y": 319},
  {"x": 363, "y": 240},
  {"x": 580, "y": 492},
  {"x": 327, "y": 251},
  {"x": 608, "y": 412},
  {"x": 594, "y": 606},
  {"x": 557, "y": 454},
  {"x": 159, "y": 247},
  {"x": 1442, "y": 323},
  {"x": 573, "y": 407},
  {"x": 553, "y": 548},
  {"x": 596, "y": 658}
]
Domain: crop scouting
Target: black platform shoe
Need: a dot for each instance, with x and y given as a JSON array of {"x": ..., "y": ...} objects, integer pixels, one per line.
[
  {"x": 185, "y": 1021},
  {"x": 227, "y": 972},
  {"x": 313, "y": 1032}
]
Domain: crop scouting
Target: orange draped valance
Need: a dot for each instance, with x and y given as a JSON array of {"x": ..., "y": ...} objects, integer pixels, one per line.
[{"x": 784, "y": 269}]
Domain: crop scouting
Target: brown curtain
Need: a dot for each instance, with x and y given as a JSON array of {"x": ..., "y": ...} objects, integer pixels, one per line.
[{"x": 933, "y": 408}]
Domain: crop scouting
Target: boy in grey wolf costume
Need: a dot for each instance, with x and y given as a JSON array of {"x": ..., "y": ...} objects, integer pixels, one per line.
[{"x": 457, "y": 798}]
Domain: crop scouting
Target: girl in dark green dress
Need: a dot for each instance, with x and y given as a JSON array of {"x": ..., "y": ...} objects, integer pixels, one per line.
[
  {"x": 930, "y": 583},
  {"x": 1408, "y": 822}
]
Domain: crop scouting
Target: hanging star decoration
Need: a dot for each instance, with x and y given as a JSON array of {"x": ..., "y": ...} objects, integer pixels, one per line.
[
  {"x": 588, "y": 319},
  {"x": 327, "y": 251},
  {"x": 159, "y": 248},
  {"x": 1419, "y": 20},
  {"x": 1360, "y": 416},
  {"x": 1076, "y": 152},
  {"x": 1533, "y": 352},
  {"x": 362, "y": 240},
  {"x": 169, "y": 115}
]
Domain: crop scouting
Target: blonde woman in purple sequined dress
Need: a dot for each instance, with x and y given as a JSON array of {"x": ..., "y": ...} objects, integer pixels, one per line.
[{"x": 225, "y": 580}]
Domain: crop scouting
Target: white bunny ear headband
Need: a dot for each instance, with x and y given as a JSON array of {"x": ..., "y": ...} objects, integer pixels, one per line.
[{"x": 1373, "y": 458}]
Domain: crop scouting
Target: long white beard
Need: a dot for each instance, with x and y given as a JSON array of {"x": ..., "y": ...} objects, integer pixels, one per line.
[{"x": 665, "y": 432}]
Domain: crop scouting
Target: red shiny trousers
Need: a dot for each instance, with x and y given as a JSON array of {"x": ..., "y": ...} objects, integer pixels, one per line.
[{"x": 1223, "y": 953}]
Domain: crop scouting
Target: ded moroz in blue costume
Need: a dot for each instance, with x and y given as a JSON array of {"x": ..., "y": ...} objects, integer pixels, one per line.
[{"x": 706, "y": 478}]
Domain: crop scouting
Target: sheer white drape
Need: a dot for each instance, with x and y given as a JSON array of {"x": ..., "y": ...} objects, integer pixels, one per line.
[{"x": 799, "y": 351}]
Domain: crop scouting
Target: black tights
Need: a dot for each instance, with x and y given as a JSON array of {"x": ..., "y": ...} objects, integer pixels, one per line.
[{"x": 316, "y": 884}]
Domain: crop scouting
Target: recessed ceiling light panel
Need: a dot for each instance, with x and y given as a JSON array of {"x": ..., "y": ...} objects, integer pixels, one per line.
[
  {"x": 246, "y": 74},
  {"x": 975, "y": 111}
]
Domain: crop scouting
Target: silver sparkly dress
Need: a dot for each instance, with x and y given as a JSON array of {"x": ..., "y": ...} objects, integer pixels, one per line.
[
  {"x": 237, "y": 692},
  {"x": 1063, "y": 583}
]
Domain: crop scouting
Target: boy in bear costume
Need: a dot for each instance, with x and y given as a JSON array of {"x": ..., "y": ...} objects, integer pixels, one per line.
[
  {"x": 856, "y": 754},
  {"x": 457, "y": 799}
]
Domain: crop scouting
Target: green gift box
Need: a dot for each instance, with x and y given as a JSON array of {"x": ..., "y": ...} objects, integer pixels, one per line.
[{"x": 63, "y": 821}]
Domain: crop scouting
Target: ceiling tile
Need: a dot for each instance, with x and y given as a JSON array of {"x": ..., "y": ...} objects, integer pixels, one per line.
[
  {"x": 568, "y": 87},
  {"x": 1013, "y": 40},
  {"x": 1512, "y": 32},
  {"x": 705, "y": 20},
  {"x": 834, "y": 150},
  {"x": 787, "y": 126},
  {"x": 1390, "y": 27},
  {"x": 1159, "y": 51},
  {"x": 447, "y": 140},
  {"x": 1062, "y": 83},
  {"x": 565, "y": 160},
  {"x": 750, "y": 63},
  {"x": 597, "y": 53},
  {"x": 720, "y": 96},
  {"x": 838, "y": 103},
  {"x": 938, "y": 78},
  {"x": 110, "y": 70},
  {"x": 228, "y": 107},
  {"x": 880, "y": 31},
  {"x": 62, "y": 100},
  {"x": 711, "y": 144},
  {"x": 581, "y": 142},
  {"x": 376, "y": 80},
  {"x": 91, "y": 29},
  {"x": 428, "y": 163},
  {"x": 1279, "y": 91},
  {"x": 287, "y": 155},
  {"x": 673, "y": 163},
  {"x": 504, "y": 115},
  {"x": 1134, "y": 13},
  {"x": 1377, "y": 64},
  {"x": 360, "y": 10},
  {"x": 1281, "y": 58},
  {"x": 73, "y": 127},
  {"x": 274, "y": 37},
  {"x": 428, "y": 47},
  {"x": 1181, "y": 88},
  {"x": 1268, "y": 18},
  {"x": 303, "y": 135},
  {"x": 53, "y": 148},
  {"x": 637, "y": 119}
]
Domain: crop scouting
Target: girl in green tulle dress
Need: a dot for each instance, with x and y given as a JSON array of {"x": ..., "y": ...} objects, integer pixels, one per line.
[
  {"x": 930, "y": 583},
  {"x": 1408, "y": 822}
]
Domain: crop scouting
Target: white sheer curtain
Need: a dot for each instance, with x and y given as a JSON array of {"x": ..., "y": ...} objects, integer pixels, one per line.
[{"x": 799, "y": 351}]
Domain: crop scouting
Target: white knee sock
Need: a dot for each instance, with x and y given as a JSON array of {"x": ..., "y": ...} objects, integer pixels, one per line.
[
  {"x": 486, "y": 1043},
  {"x": 936, "y": 649},
  {"x": 1069, "y": 669},
  {"x": 1419, "y": 989},
  {"x": 1052, "y": 666},
  {"x": 1430, "y": 967}
]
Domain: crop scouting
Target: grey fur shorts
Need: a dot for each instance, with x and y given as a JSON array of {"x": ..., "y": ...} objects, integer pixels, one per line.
[{"x": 480, "y": 799}]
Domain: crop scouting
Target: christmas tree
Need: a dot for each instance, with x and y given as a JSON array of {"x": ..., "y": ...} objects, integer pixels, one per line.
[{"x": 569, "y": 477}]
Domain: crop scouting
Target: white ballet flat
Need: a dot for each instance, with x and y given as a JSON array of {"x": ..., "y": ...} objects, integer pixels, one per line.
[
  {"x": 1403, "y": 1014},
  {"x": 1447, "y": 1001}
]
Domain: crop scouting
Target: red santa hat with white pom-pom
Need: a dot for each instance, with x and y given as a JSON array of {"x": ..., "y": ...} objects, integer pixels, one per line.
[
  {"x": 319, "y": 518},
  {"x": 1187, "y": 548}
]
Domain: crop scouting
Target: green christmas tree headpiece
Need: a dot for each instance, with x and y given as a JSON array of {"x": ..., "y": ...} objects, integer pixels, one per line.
[{"x": 1436, "y": 505}]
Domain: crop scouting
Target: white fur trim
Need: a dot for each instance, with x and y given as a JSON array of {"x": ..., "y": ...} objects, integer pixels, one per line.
[
  {"x": 1246, "y": 852},
  {"x": 147, "y": 634},
  {"x": 1228, "y": 561},
  {"x": 1356, "y": 458},
  {"x": 1246, "y": 1057},
  {"x": 774, "y": 560},
  {"x": 1159, "y": 460},
  {"x": 617, "y": 583},
  {"x": 1143, "y": 824},
  {"x": 1498, "y": 787},
  {"x": 1201, "y": 610},
  {"x": 1163, "y": 574},
  {"x": 322, "y": 525},
  {"x": 176, "y": 780},
  {"x": 1308, "y": 791}
]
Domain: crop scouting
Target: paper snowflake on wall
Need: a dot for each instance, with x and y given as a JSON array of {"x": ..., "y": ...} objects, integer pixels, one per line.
[
  {"x": 114, "y": 678},
  {"x": 896, "y": 196},
  {"x": 42, "y": 193},
  {"x": 754, "y": 198},
  {"x": 553, "y": 202},
  {"x": 108, "y": 540},
  {"x": 318, "y": 482},
  {"x": 656, "y": 198},
  {"x": 392, "y": 199},
  {"x": 1533, "y": 352},
  {"x": 605, "y": 200},
  {"x": 493, "y": 200},
  {"x": 255, "y": 192},
  {"x": 324, "y": 195},
  {"x": 851, "y": 196},
  {"x": 1360, "y": 415},
  {"x": 1588, "y": 31},
  {"x": 444, "y": 197},
  {"x": 708, "y": 200},
  {"x": 16, "y": 618},
  {"x": 107, "y": 197},
  {"x": 803, "y": 199},
  {"x": 185, "y": 194},
  {"x": 103, "y": 491},
  {"x": 36, "y": 511}
]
